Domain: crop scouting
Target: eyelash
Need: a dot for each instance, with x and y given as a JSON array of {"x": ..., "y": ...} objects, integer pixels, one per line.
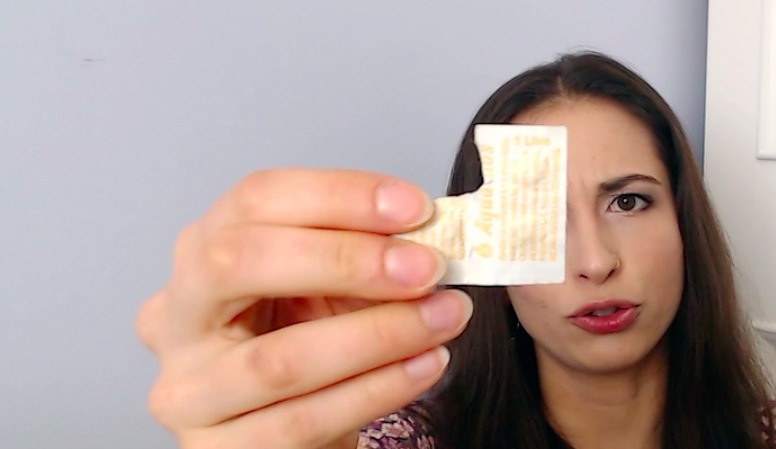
[{"x": 645, "y": 198}]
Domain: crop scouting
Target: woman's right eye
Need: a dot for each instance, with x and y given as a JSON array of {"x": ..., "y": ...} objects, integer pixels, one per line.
[{"x": 630, "y": 202}]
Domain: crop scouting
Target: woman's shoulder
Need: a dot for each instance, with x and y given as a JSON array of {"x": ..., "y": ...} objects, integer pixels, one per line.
[{"x": 403, "y": 429}]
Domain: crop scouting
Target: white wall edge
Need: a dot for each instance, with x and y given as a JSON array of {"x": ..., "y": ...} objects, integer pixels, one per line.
[{"x": 766, "y": 147}]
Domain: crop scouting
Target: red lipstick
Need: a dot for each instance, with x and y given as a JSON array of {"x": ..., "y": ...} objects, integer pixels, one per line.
[{"x": 606, "y": 317}]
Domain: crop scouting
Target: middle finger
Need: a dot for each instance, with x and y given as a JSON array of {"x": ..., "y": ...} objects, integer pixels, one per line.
[{"x": 243, "y": 263}]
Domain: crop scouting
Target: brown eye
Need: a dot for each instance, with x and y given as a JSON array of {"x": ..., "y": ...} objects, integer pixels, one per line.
[
  {"x": 629, "y": 203},
  {"x": 626, "y": 203}
]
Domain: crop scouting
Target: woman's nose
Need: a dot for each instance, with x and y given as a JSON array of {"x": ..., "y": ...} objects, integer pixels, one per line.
[{"x": 590, "y": 253}]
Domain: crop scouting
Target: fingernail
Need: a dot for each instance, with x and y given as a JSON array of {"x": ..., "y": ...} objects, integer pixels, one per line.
[
  {"x": 413, "y": 265},
  {"x": 428, "y": 364},
  {"x": 446, "y": 310},
  {"x": 403, "y": 203}
]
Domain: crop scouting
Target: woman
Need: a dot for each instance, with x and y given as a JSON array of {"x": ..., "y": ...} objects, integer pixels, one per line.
[{"x": 673, "y": 368}]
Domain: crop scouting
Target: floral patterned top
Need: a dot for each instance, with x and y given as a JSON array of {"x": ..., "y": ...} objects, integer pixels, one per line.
[
  {"x": 400, "y": 430},
  {"x": 403, "y": 430}
]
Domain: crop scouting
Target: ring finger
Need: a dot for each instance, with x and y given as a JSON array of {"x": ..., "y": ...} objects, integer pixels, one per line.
[{"x": 300, "y": 359}]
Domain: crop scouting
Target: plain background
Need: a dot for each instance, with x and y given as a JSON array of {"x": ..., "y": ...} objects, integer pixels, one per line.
[
  {"x": 743, "y": 187},
  {"x": 121, "y": 121}
]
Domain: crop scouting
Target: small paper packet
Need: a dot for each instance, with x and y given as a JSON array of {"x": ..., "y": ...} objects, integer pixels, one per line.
[{"x": 512, "y": 230}]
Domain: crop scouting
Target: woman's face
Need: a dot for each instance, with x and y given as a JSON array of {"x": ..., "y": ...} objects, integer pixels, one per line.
[{"x": 624, "y": 255}]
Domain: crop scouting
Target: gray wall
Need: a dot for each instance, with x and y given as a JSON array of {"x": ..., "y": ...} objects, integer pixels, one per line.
[{"x": 121, "y": 121}]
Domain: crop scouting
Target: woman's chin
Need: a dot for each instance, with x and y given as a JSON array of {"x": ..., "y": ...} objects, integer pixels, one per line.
[
  {"x": 608, "y": 364},
  {"x": 607, "y": 358},
  {"x": 632, "y": 359}
]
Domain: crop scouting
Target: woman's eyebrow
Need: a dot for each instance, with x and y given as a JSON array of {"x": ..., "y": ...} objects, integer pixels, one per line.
[{"x": 621, "y": 182}]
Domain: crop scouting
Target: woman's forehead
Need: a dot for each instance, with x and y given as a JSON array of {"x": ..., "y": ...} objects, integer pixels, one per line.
[{"x": 604, "y": 139}]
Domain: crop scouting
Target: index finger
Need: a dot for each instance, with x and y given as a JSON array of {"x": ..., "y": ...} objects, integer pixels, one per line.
[{"x": 341, "y": 199}]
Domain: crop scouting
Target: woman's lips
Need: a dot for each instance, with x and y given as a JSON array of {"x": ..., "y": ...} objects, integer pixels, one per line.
[{"x": 606, "y": 317}]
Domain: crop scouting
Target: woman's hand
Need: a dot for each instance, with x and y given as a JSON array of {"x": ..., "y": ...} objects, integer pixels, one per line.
[{"x": 292, "y": 318}]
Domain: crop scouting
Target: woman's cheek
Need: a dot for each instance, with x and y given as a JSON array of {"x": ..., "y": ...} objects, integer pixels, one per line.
[{"x": 536, "y": 306}]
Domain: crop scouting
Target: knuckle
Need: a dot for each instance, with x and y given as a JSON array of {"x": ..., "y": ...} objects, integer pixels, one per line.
[
  {"x": 222, "y": 254},
  {"x": 273, "y": 369},
  {"x": 144, "y": 326},
  {"x": 376, "y": 390},
  {"x": 184, "y": 257},
  {"x": 384, "y": 333},
  {"x": 346, "y": 261},
  {"x": 185, "y": 241},
  {"x": 250, "y": 192},
  {"x": 302, "y": 428},
  {"x": 162, "y": 401},
  {"x": 340, "y": 191},
  {"x": 146, "y": 321},
  {"x": 357, "y": 259}
]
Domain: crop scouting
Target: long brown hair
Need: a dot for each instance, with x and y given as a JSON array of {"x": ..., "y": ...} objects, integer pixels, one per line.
[{"x": 716, "y": 394}]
